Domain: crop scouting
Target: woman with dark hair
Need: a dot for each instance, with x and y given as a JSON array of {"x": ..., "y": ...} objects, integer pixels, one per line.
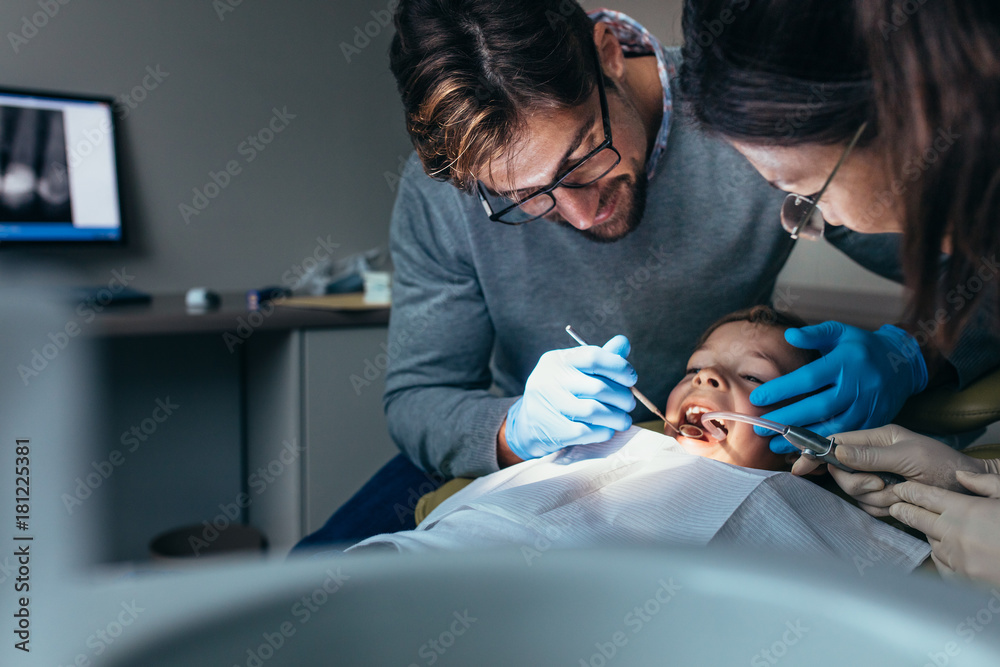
[
  {"x": 879, "y": 116},
  {"x": 790, "y": 91}
]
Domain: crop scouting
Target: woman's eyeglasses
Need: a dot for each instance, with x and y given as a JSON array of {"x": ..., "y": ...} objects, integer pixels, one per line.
[{"x": 801, "y": 215}]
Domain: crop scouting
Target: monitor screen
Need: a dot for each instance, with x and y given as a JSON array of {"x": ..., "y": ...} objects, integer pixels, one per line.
[{"x": 58, "y": 169}]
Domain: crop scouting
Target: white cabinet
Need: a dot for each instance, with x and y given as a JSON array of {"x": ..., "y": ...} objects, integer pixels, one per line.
[{"x": 316, "y": 431}]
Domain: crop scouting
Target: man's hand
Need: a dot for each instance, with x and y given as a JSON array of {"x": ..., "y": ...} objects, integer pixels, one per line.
[
  {"x": 963, "y": 531},
  {"x": 861, "y": 381},
  {"x": 574, "y": 396},
  {"x": 892, "y": 449}
]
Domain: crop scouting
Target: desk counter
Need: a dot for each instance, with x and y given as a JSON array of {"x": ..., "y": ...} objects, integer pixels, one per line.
[{"x": 167, "y": 314}]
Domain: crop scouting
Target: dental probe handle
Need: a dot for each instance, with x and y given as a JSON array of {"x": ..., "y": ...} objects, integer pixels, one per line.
[
  {"x": 816, "y": 446},
  {"x": 635, "y": 392}
]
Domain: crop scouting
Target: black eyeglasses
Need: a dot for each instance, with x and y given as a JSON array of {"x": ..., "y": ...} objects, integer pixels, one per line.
[
  {"x": 801, "y": 215},
  {"x": 594, "y": 166}
]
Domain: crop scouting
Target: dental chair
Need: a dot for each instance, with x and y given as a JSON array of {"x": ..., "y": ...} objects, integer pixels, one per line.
[{"x": 946, "y": 411}]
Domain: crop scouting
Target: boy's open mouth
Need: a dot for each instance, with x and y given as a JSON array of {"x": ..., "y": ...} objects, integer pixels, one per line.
[{"x": 691, "y": 425}]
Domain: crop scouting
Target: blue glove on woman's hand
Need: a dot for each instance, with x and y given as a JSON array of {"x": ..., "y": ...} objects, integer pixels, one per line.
[
  {"x": 575, "y": 396},
  {"x": 861, "y": 381}
]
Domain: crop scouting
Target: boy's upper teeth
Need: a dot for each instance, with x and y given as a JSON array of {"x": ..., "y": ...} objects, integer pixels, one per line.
[{"x": 695, "y": 410}]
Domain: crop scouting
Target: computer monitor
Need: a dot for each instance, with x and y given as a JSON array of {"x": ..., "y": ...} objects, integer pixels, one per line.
[{"x": 58, "y": 169}]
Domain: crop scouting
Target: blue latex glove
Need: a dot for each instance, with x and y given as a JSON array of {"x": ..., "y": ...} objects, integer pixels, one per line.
[
  {"x": 867, "y": 378},
  {"x": 573, "y": 397}
]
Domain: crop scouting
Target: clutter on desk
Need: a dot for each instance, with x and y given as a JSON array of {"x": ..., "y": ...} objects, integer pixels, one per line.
[
  {"x": 114, "y": 293},
  {"x": 201, "y": 299},
  {"x": 206, "y": 539},
  {"x": 258, "y": 297},
  {"x": 344, "y": 275},
  {"x": 378, "y": 287},
  {"x": 351, "y": 301}
]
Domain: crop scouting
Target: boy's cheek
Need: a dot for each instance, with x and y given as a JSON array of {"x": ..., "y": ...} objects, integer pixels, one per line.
[
  {"x": 674, "y": 401},
  {"x": 756, "y": 450},
  {"x": 744, "y": 406}
]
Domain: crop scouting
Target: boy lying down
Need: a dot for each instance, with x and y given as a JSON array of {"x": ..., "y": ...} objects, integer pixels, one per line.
[{"x": 642, "y": 487}]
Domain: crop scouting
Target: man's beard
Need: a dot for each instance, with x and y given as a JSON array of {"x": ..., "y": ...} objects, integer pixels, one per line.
[{"x": 631, "y": 207}]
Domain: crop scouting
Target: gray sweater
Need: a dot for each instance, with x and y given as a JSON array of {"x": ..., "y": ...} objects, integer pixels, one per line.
[{"x": 476, "y": 303}]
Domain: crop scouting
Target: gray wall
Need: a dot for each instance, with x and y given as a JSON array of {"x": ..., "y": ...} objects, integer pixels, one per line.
[
  {"x": 660, "y": 17},
  {"x": 323, "y": 175}
]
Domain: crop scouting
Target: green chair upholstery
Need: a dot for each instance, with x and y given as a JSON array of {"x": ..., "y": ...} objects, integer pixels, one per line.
[
  {"x": 946, "y": 410},
  {"x": 655, "y": 425},
  {"x": 983, "y": 451}
]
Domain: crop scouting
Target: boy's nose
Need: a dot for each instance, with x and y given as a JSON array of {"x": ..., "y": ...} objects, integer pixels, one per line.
[{"x": 711, "y": 378}]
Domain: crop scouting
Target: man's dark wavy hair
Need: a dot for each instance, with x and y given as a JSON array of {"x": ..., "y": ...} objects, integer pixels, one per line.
[{"x": 472, "y": 72}]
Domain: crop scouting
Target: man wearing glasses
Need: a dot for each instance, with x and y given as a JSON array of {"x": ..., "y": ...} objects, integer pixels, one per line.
[{"x": 553, "y": 184}]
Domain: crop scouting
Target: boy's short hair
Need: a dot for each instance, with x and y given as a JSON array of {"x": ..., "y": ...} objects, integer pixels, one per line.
[{"x": 763, "y": 316}]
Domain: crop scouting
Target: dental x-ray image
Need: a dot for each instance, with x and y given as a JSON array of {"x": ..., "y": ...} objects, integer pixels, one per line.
[{"x": 34, "y": 181}]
